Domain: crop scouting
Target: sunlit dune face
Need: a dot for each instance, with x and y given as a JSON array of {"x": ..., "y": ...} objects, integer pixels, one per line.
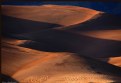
[
  {"x": 115, "y": 61},
  {"x": 109, "y": 35},
  {"x": 51, "y": 67},
  {"x": 16, "y": 56},
  {"x": 64, "y": 15},
  {"x": 13, "y": 41},
  {"x": 104, "y": 34},
  {"x": 59, "y": 68},
  {"x": 68, "y": 65}
]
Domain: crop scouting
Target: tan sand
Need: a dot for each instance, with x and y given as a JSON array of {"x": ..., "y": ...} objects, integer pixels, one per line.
[
  {"x": 104, "y": 34},
  {"x": 60, "y": 55},
  {"x": 63, "y": 15},
  {"x": 27, "y": 65},
  {"x": 115, "y": 61}
]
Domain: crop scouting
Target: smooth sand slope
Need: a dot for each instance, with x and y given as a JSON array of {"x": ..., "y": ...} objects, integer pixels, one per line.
[
  {"x": 72, "y": 42},
  {"x": 34, "y": 18},
  {"x": 60, "y": 44},
  {"x": 104, "y": 34},
  {"x": 115, "y": 60},
  {"x": 27, "y": 65},
  {"x": 101, "y": 21},
  {"x": 103, "y": 44},
  {"x": 62, "y": 15}
]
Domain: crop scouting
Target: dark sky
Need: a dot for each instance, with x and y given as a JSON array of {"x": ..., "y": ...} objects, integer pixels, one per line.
[{"x": 109, "y": 7}]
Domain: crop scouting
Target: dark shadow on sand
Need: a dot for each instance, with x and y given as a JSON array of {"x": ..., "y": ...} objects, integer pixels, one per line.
[
  {"x": 12, "y": 25},
  {"x": 7, "y": 79},
  {"x": 53, "y": 40},
  {"x": 61, "y": 41},
  {"x": 85, "y": 47},
  {"x": 102, "y": 22}
]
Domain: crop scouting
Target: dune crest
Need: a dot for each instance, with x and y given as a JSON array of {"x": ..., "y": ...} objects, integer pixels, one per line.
[{"x": 63, "y": 15}]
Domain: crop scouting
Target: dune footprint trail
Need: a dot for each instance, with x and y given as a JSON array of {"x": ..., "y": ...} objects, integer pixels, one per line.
[{"x": 65, "y": 45}]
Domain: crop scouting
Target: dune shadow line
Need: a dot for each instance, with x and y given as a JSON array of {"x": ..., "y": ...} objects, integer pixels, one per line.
[
  {"x": 99, "y": 22},
  {"x": 12, "y": 25},
  {"x": 7, "y": 79},
  {"x": 61, "y": 41}
]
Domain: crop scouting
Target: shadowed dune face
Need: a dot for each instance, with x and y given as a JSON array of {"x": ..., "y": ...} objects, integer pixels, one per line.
[
  {"x": 49, "y": 67},
  {"x": 12, "y": 54},
  {"x": 71, "y": 42},
  {"x": 62, "y": 15},
  {"x": 42, "y": 17},
  {"x": 98, "y": 22},
  {"x": 39, "y": 47},
  {"x": 5, "y": 79},
  {"x": 13, "y": 25}
]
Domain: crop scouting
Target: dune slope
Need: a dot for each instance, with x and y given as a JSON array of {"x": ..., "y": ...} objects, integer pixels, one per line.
[
  {"x": 39, "y": 18},
  {"x": 62, "y": 15},
  {"x": 71, "y": 42},
  {"x": 31, "y": 66},
  {"x": 60, "y": 44}
]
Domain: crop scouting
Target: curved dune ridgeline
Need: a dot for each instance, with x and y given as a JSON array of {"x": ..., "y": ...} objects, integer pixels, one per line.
[
  {"x": 27, "y": 18},
  {"x": 101, "y": 21},
  {"x": 23, "y": 25},
  {"x": 60, "y": 44},
  {"x": 62, "y": 15}
]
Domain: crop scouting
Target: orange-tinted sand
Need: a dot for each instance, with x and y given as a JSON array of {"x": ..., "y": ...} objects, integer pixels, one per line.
[
  {"x": 32, "y": 52},
  {"x": 104, "y": 34},
  {"x": 27, "y": 65},
  {"x": 115, "y": 60},
  {"x": 63, "y": 15}
]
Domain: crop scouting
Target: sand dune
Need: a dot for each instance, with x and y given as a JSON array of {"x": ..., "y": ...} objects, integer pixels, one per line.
[
  {"x": 104, "y": 34},
  {"x": 23, "y": 25},
  {"x": 62, "y": 15},
  {"x": 101, "y": 21},
  {"x": 104, "y": 26},
  {"x": 115, "y": 61},
  {"x": 71, "y": 42},
  {"x": 60, "y": 44},
  {"x": 39, "y": 18},
  {"x": 64, "y": 41},
  {"x": 31, "y": 66}
]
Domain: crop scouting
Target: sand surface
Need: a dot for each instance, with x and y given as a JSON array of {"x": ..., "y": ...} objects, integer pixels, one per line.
[
  {"x": 27, "y": 65},
  {"x": 60, "y": 44},
  {"x": 63, "y": 15}
]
